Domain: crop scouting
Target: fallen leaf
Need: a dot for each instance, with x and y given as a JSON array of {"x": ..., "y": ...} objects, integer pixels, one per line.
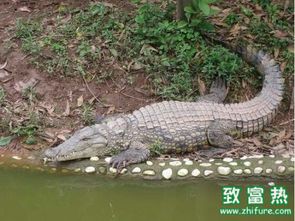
[
  {"x": 280, "y": 34},
  {"x": 5, "y": 140},
  {"x": 80, "y": 101},
  {"x": 62, "y": 137},
  {"x": 2, "y": 66},
  {"x": 67, "y": 110},
  {"x": 201, "y": 86},
  {"x": 24, "y": 9},
  {"x": 276, "y": 52},
  {"x": 111, "y": 110}
]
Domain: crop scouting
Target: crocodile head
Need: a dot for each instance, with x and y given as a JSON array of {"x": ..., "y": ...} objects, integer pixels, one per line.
[{"x": 87, "y": 142}]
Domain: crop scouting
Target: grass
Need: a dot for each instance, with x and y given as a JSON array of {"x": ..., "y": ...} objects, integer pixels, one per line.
[
  {"x": 173, "y": 54},
  {"x": 2, "y": 95}
]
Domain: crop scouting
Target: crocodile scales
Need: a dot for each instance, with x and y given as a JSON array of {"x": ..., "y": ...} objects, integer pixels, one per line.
[{"x": 176, "y": 124}]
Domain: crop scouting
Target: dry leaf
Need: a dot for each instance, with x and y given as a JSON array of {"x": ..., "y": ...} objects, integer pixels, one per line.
[
  {"x": 276, "y": 52},
  {"x": 201, "y": 86},
  {"x": 111, "y": 110},
  {"x": 67, "y": 110},
  {"x": 280, "y": 34},
  {"x": 80, "y": 101},
  {"x": 2, "y": 66},
  {"x": 62, "y": 137},
  {"x": 24, "y": 9}
]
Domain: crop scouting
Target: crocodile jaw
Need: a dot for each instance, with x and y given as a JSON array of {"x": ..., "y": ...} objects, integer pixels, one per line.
[{"x": 85, "y": 143}]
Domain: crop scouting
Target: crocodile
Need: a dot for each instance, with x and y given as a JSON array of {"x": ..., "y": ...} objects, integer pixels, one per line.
[{"x": 176, "y": 125}]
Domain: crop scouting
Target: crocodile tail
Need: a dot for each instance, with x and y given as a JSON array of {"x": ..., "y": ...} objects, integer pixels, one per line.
[{"x": 253, "y": 115}]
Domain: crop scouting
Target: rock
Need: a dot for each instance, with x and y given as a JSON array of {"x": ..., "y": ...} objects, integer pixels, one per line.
[
  {"x": 257, "y": 170},
  {"x": 247, "y": 163},
  {"x": 260, "y": 161},
  {"x": 211, "y": 160},
  {"x": 107, "y": 159},
  {"x": 167, "y": 173},
  {"x": 218, "y": 164},
  {"x": 272, "y": 156},
  {"x": 223, "y": 170},
  {"x": 247, "y": 171},
  {"x": 182, "y": 172},
  {"x": 188, "y": 162},
  {"x": 162, "y": 164},
  {"x": 149, "y": 172},
  {"x": 149, "y": 163},
  {"x": 268, "y": 170},
  {"x": 75, "y": 170},
  {"x": 95, "y": 158},
  {"x": 136, "y": 170},
  {"x": 233, "y": 163},
  {"x": 102, "y": 170},
  {"x": 208, "y": 172},
  {"x": 271, "y": 183},
  {"x": 90, "y": 169},
  {"x": 258, "y": 156},
  {"x": 124, "y": 170},
  {"x": 281, "y": 169},
  {"x": 244, "y": 158},
  {"x": 278, "y": 161},
  {"x": 196, "y": 172},
  {"x": 16, "y": 157},
  {"x": 238, "y": 171},
  {"x": 113, "y": 170},
  {"x": 228, "y": 159},
  {"x": 205, "y": 164},
  {"x": 175, "y": 163}
]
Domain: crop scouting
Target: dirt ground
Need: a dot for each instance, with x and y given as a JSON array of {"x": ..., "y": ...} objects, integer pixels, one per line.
[{"x": 58, "y": 97}]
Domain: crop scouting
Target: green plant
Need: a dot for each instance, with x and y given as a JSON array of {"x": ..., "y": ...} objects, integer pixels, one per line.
[
  {"x": 87, "y": 114},
  {"x": 232, "y": 18},
  {"x": 2, "y": 95}
]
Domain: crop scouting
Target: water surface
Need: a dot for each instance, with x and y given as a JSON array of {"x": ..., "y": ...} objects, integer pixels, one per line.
[{"x": 35, "y": 196}]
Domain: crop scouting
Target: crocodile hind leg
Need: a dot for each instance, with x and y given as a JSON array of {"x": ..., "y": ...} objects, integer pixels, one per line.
[
  {"x": 136, "y": 153},
  {"x": 217, "y": 93},
  {"x": 217, "y": 135}
]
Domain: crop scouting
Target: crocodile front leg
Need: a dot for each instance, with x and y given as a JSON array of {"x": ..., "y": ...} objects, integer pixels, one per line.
[{"x": 136, "y": 153}]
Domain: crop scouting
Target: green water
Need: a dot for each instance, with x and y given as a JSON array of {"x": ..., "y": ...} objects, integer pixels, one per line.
[{"x": 34, "y": 196}]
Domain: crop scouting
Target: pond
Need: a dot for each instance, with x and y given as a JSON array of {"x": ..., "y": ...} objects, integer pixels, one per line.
[{"x": 30, "y": 196}]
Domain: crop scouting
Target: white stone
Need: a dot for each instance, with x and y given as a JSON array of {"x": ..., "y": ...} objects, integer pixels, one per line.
[
  {"x": 186, "y": 159},
  {"x": 278, "y": 161},
  {"x": 124, "y": 170},
  {"x": 244, "y": 158},
  {"x": 258, "y": 156},
  {"x": 208, "y": 172},
  {"x": 292, "y": 159},
  {"x": 136, "y": 170},
  {"x": 271, "y": 184},
  {"x": 247, "y": 163},
  {"x": 113, "y": 170},
  {"x": 76, "y": 170},
  {"x": 149, "y": 172},
  {"x": 286, "y": 155},
  {"x": 281, "y": 169},
  {"x": 233, "y": 163},
  {"x": 16, "y": 157},
  {"x": 31, "y": 158},
  {"x": 205, "y": 164},
  {"x": 200, "y": 161},
  {"x": 228, "y": 159},
  {"x": 162, "y": 164},
  {"x": 90, "y": 169},
  {"x": 107, "y": 159},
  {"x": 182, "y": 172},
  {"x": 167, "y": 173},
  {"x": 149, "y": 163},
  {"x": 247, "y": 171},
  {"x": 218, "y": 164},
  {"x": 175, "y": 163},
  {"x": 268, "y": 170},
  {"x": 196, "y": 172},
  {"x": 238, "y": 171},
  {"x": 189, "y": 162},
  {"x": 94, "y": 158},
  {"x": 211, "y": 160},
  {"x": 260, "y": 161},
  {"x": 258, "y": 170},
  {"x": 272, "y": 156},
  {"x": 223, "y": 170}
]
